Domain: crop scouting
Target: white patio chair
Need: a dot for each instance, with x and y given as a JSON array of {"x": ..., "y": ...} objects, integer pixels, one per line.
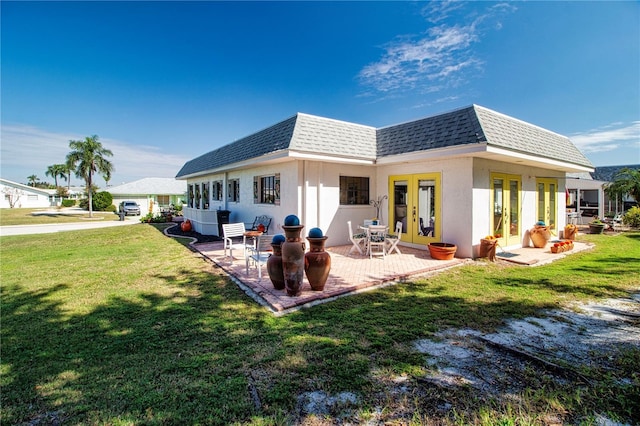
[
  {"x": 357, "y": 240},
  {"x": 259, "y": 254},
  {"x": 232, "y": 232},
  {"x": 377, "y": 242},
  {"x": 393, "y": 239}
]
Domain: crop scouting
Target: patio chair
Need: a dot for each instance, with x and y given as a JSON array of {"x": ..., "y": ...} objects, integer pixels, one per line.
[
  {"x": 357, "y": 240},
  {"x": 377, "y": 242},
  {"x": 232, "y": 232},
  {"x": 259, "y": 254},
  {"x": 426, "y": 230},
  {"x": 261, "y": 223},
  {"x": 393, "y": 239}
]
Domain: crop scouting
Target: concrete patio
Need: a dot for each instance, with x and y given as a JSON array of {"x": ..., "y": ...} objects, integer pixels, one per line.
[{"x": 356, "y": 273}]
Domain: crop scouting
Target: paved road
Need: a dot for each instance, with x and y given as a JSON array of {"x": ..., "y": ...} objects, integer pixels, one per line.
[{"x": 61, "y": 227}]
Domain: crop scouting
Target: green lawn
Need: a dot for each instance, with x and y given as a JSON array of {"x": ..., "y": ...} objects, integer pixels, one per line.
[
  {"x": 124, "y": 326},
  {"x": 26, "y": 217}
]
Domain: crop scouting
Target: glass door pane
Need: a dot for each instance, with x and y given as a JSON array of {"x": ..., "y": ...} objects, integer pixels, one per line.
[
  {"x": 498, "y": 206},
  {"x": 426, "y": 207},
  {"x": 541, "y": 202},
  {"x": 547, "y": 201},
  {"x": 400, "y": 200},
  {"x": 514, "y": 208},
  {"x": 552, "y": 205}
]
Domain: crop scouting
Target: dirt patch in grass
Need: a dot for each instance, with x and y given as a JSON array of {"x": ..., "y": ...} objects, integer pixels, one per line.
[{"x": 585, "y": 347}]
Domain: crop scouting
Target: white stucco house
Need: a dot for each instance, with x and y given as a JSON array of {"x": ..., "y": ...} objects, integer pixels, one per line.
[
  {"x": 156, "y": 193},
  {"x": 17, "y": 195},
  {"x": 454, "y": 177}
]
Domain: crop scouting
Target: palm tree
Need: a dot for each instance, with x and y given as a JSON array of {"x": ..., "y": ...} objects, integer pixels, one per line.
[
  {"x": 68, "y": 168},
  {"x": 88, "y": 157},
  {"x": 56, "y": 171},
  {"x": 625, "y": 182},
  {"x": 32, "y": 180}
]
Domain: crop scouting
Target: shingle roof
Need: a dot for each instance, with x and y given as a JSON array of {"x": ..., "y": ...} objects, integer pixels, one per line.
[
  {"x": 271, "y": 139},
  {"x": 469, "y": 125},
  {"x": 453, "y": 128},
  {"x": 511, "y": 133},
  {"x": 147, "y": 186},
  {"x": 302, "y": 132},
  {"x": 608, "y": 173},
  {"x": 326, "y": 136}
]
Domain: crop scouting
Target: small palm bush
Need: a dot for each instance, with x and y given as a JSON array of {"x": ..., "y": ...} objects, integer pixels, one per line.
[{"x": 632, "y": 217}]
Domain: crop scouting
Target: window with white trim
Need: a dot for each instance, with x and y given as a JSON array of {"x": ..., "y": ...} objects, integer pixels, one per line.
[
  {"x": 354, "y": 190},
  {"x": 266, "y": 189},
  {"x": 205, "y": 195},
  {"x": 216, "y": 190},
  {"x": 233, "y": 192}
]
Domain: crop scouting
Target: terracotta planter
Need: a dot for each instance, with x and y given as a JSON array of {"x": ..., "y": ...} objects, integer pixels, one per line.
[
  {"x": 186, "y": 226},
  {"x": 442, "y": 251},
  {"x": 539, "y": 236},
  {"x": 570, "y": 232},
  {"x": 293, "y": 260},
  {"x": 488, "y": 249},
  {"x": 317, "y": 263},
  {"x": 274, "y": 267}
]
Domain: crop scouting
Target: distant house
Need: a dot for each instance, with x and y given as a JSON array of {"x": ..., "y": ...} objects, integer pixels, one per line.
[
  {"x": 586, "y": 197},
  {"x": 454, "y": 177},
  {"x": 154, "y": 193},
  {"x": 17, "y": 195}
]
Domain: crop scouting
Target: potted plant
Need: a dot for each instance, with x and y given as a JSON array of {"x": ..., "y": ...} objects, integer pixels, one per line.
[
  {"x": 442, "y": 251},
  {"x": 596, "y": 226}
]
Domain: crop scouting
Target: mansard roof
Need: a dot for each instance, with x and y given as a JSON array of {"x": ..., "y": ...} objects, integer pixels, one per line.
[{"x": 308, "y": 134}]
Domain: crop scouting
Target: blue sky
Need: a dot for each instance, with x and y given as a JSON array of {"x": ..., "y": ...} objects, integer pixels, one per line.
[{"x": 163, "y": 82}]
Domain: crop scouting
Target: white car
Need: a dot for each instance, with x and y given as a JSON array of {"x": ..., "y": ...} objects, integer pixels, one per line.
[{"x": 129, "y": 207}]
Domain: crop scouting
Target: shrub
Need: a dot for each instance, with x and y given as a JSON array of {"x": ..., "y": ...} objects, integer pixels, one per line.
[
  {"x": 68, "y": 203},
  {"x": 151, "y": 218},
  {"x": 632, "y": 217},
  {"x": 102, "y": 200}
]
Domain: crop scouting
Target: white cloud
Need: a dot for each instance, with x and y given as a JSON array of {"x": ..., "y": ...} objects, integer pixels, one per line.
[
  {"x": 608, "y": 138},
  {"x": 441, "y": 58},
  {"x": 27, "y": 150}
]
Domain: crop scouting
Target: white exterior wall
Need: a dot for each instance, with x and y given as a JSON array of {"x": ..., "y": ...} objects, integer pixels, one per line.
[
  {"x": 311, "y": 190},
  {"x": 456, "y": 179},
  {"x": 327, "y": 213},
  {"x": 528, "y": 198},
  {"x": 245, "y": 211},
  {"x": 24, "y": 197}
]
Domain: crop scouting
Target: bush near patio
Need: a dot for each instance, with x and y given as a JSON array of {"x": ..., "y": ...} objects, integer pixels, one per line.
[
  {"x": 127, "y": 326},
  {"x": 632, "y": 217}
]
